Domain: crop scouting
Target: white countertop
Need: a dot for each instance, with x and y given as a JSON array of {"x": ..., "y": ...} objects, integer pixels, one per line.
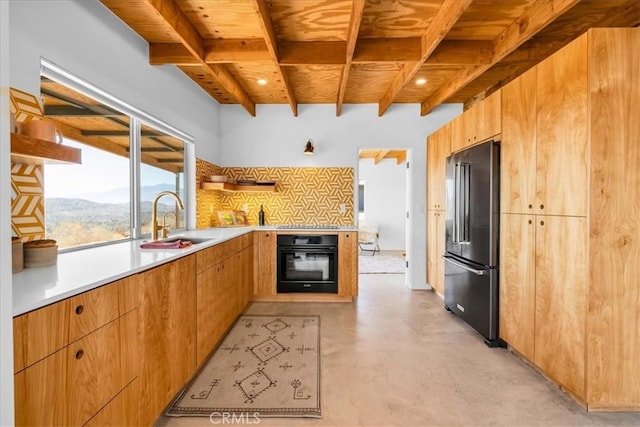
[
  {"x": 86, "y": 269},
  {"x": 276, "y": 227}
]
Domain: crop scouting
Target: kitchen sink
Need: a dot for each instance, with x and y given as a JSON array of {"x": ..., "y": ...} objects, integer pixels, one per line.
[
  {"x": 175, "y": 242},
  {"x": 193, "y": 240}
]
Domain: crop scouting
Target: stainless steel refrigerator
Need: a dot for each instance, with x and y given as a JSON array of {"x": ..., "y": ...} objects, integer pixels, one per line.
[{"x": 472, "y": 236}]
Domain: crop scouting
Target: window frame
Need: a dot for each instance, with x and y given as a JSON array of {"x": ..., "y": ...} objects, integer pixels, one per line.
[{"x": 137, "y": 118}]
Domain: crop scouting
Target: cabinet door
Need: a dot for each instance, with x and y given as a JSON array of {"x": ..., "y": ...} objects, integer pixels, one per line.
[
  {"x": 435, "y": 250},
  {"x": 561, "y": 140},
  {"x": 517, "y": 282},
  {"x": 518, "y": 145},
  {"x": 41, "y": 392},
  {"x": 39, "y": 333},
  {"x": 266, "y": 264},
  {"x": 438, "y": 148},
  {"x": 460, "y": 132},
  {"x": 122, "y": 410},
  {"x": 348, "y": 263},
  {"x": 209, "y": 311},
  {"x": 94, "y": 372},
  {"x": 561, "y": 300},
  {"x": 488, "y": 119},
  {"x": 168, "y": 333}
]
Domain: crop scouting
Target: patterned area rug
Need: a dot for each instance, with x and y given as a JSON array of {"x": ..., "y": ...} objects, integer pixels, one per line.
[
  {"x": 267, "y": 366},
  {"x": 369, "y": 264}
]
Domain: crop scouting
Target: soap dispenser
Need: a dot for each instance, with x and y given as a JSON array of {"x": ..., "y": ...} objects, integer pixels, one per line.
[{"x": 261, "y": 216}]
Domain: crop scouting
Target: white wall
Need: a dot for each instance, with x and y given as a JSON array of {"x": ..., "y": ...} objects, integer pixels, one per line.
[
  {"x": 86, "y": 39},
  {"x": 275, "y": 138},
  {"x": 6, "y": 292},
  {"x": 385, "y": 200}
]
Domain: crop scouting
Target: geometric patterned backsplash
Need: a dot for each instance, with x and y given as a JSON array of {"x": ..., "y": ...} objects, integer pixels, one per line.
[
  {"x": 27, "y": 201},
  {"x": 303, "y": 195}
]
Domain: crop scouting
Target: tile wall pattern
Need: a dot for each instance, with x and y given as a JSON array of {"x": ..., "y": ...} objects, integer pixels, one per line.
[
  {"x": 303, "y": 195},
  {"x": 27, "y": 201}
]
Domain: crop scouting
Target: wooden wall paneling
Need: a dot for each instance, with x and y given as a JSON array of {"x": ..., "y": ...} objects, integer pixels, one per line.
[
  {"x": 94, "y": 372},
  {"x": 517, "y": 282},
  {"x": 613, "y": 341},
  {"x": 561, "y": 146},
  {"x": 561, "y": 300},
  {"x": 92, "y": 309},
  {"x": 348, "y": 263},
  {"x": 518, "y": 144},
  {"x": 41, "y": 392},
  {"x": 40, "y": 333}
]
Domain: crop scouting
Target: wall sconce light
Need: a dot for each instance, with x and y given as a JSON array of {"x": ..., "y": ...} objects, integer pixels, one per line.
[{"x": 308, "y": 149}]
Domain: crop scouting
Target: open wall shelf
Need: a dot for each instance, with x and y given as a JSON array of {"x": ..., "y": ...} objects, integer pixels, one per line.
[
  {"x": 25, "y": 149},
  {"x": 227, "y": 186}
]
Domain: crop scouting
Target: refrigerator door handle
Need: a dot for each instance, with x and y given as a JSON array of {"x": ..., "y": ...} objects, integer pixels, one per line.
[
  {"x": 465, "y": 266},
  {"x": 456, "y": 204}
]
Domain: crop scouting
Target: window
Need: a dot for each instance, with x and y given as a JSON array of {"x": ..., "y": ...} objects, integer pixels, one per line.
[{"x": 128, "y": 157}]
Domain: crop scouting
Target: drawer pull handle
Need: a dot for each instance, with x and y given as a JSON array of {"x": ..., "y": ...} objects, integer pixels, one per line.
[
  {"x": 79, "y": 354},
  {"x": 541, "y": 222},
  {"x": 541, "y": 206},
  {"x": 79, "y": 309},
  {"x": 530, "y": 221},
  {"x": 530, "y": 206}
]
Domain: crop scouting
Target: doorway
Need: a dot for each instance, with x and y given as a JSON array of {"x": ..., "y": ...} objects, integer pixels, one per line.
[{"x": 383, "y": 183}]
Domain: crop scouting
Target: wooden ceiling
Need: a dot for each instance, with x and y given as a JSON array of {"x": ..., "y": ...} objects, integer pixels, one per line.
[
  {"x": 360, "y": 51},
  {"x": 379, "y": 154},
  {"x": 86, "y": 120}
]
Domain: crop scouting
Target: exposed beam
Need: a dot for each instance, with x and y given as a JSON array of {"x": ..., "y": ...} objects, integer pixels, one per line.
[
  {"x": 357, "y": 9},
  {"x": 190, "y": 38},
  {"x": 534, "y": 19},
  {"x": 401, "y": 157},
  {"x": 75, "y": 111},
  {"x": 264, "y": 18},
  {"x": 159, "y": 150},
  {"x": 462, "y": 52},
  {"x": 387, "y": 50},
  {"x": 312, "y": 53},
  {"x": 119, "y": 133},
  {"x": 215, "y": 51},
  {"x": 380, "y": 155},
  {"x": 448, "y": 14}
]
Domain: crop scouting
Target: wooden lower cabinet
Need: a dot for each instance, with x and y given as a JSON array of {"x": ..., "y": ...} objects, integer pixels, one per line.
[
  {"x": 517, "y": 282},
  {"x": 435, "y": 249},
  {"x": 41, "y": 392},
  {"x": 265, "y": 260},
  {"x": 348, "y": 263},
  {"x": 123, "y": 410},
  {"x": 561, "y": 300},
  {"x": 168, "y": 333}
]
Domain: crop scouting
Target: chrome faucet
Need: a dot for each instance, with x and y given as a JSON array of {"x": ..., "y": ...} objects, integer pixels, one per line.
[{"x": 154, "y": 212}]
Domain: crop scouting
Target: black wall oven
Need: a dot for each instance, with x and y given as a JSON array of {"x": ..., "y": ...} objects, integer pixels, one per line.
[{"x": 307, "y": 263}]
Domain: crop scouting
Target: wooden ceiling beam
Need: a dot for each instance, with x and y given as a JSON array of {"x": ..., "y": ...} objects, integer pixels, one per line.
[
  {"x": 387, "y": 50},
  {"x": 190, "y": 38},
  {"x": 534, "y": 19},
  {"x": 380, "y": 155},
  {"x": 447, "y": 15},
  {"x": 401, "y": 157},
  {"x": 357, "y": 10},
  {"x": 264, "y": 18},
  {"x": 312, "y": 53},
  {"x": 462, "y": 52}
]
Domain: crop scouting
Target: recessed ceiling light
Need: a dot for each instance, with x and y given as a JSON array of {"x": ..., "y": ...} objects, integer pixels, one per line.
[
  {"x": 261, "y": 82},
  {"x": 421, "y": 81}
]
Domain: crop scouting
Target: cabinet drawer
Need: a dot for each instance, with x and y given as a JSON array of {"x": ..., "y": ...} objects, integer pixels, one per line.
[
  {"x": 40, "y": 392},
  {"x": 91, "y": 310},
  {"x": 122, "y": 410},
  {"x": 94, "y": 372},
  {"x": 39, "y": 333},
  {"x": 207, "y": 258}
]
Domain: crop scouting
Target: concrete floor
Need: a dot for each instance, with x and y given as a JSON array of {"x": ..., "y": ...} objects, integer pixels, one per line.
[{"x": 396, "y": 358}]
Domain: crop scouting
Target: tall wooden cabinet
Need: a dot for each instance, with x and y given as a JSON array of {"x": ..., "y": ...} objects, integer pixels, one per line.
[
  {"x": 570, "y": 234},
  {"x": 438, "y": 148}
]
